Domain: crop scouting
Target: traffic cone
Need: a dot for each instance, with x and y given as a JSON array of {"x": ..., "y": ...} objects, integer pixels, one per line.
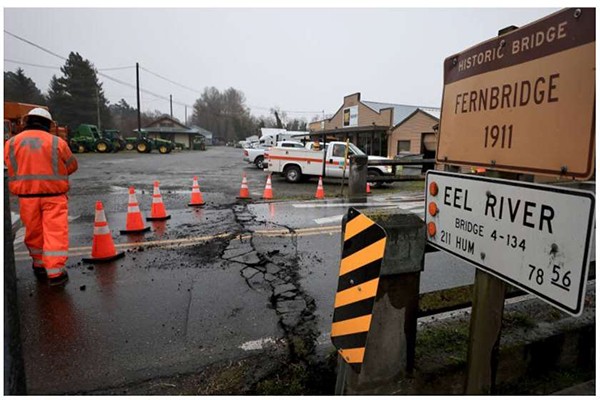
[
  {"x": 196, "y": 200},
  {"x": 158, "y": 212},
  {"x": 103, "y": 247},
  {"x": 268, "y": 193},
  {"x": 368, "y": 188},
  {"x": 135, "y": 220},
  {"x": 244, "y": 192},
  {"x": 320, "y": 192}
]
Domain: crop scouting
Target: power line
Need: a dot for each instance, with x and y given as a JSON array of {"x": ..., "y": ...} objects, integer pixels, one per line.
[
  {"x": 99, "y": 73},
  {"x": 171, "y": 81},
  {"x": 35, "y": 45},
  {"x": 31, "y": 64},
  {"x": 200, "y": 92},
  {"x": 150, "y": 72}
]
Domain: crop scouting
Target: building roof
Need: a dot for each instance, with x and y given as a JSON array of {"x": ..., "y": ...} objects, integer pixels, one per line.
[
  {"x": 204, "y": 132},
  {"x": 169, "y": 125},
  {"x": 271, "y": 131},
  {"x": 401, "y": 111}
]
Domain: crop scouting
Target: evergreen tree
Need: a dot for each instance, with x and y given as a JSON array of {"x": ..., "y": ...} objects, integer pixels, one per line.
[
  {"x": 20, "y": 88},
  {"x": 76, "y": 96}
]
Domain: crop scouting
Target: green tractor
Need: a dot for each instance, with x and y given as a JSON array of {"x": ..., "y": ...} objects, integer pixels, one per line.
[
  {"x": 144, "y": 144},
  {"x": 114, "y": 136},
  {"x": 87, "y": 138}
]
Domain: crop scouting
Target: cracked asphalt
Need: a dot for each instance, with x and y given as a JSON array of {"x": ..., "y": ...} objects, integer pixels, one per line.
[{"x": 209, "y": 285}]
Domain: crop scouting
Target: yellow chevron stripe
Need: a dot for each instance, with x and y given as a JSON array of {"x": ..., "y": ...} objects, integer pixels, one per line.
[
  {"x": 350, "y": 326},
  {"x": 353, "y": 355},
  {"x": 356, "y": 293},
  {"x": 363, "y": 257},
  {"x": 357, "y": 225}
]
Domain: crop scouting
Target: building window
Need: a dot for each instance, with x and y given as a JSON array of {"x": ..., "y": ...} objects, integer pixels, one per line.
[{"x": 403, "y": 146}]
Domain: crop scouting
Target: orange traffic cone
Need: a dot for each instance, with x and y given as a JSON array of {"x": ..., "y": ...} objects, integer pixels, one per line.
[
  {"x": 368, "y": 188},
  {"x": 158, "y": 212},
  {"x": 244, "y": 191},
  {"x": 103, "y": 247},
  {"x": 320, "y": 192},
  {"x": 268, "y": 193},
  {"x": 196, "y": 200},
  {"x": 135, "y": 220}
]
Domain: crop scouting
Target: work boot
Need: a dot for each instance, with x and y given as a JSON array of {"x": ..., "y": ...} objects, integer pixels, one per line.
[
  {"x": 58, "y": 280},
  {"x": 40, "y": 273}
]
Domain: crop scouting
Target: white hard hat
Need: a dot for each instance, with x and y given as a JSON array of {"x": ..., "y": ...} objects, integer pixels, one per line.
[{"x": 40, "y": 112}]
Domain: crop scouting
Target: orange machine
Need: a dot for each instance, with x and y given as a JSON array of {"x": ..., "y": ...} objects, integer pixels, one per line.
[{"x": 13, "y": 120}]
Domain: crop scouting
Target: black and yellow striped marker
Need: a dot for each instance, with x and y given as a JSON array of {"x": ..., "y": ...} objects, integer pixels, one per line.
[{"x": 362, "y": 254}]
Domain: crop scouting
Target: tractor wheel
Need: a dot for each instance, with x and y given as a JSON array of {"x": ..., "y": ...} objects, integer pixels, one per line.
[
  {"x": 129, "y": 146},
  {"x": 81, "y": 148},
  {"x": 102, "y": 146},
  {"x": 163, "y": 149},
  {"x": 117, "y": 146},
  {"x": 143, "y": 147}
]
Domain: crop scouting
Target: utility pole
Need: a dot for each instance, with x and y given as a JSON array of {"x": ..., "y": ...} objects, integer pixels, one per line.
[
  {"x": 137, "y": 84},
  {"x": 185, "y": 116},
  {"x": 171, "y": 104},
  {"x": 98, "y": 107}
]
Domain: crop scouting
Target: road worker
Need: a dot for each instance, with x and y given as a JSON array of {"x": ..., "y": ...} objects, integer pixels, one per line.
[{"x": 39, "y": 165}]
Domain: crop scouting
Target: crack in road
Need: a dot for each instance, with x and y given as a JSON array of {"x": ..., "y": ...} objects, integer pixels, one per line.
[{"x": 276, "y": 271}]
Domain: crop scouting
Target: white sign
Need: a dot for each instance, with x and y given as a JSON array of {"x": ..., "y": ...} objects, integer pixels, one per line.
[
  {"x": 535, "y": 237},
  {"x": 350, "y": 116}
]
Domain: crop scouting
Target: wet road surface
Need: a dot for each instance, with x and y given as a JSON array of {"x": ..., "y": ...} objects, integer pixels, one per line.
[{"x": 206, "y": 286}]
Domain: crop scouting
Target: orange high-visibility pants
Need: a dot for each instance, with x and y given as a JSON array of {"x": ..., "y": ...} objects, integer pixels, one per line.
[{"x": 46, "y": 231}]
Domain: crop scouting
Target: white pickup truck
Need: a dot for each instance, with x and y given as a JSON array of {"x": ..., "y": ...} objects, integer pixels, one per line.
[
  {"x": 294, "y": 164},
  {"x": 256, "y": 155}
]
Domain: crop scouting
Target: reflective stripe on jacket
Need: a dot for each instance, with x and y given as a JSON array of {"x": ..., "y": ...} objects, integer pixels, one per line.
[{"x": 38, "y": 163}]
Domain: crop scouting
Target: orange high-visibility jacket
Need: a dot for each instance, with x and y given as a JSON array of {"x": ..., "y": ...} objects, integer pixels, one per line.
[{"x": 38, "y": 163}]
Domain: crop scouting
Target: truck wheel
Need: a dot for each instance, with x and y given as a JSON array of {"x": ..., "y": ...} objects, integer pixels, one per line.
[
  {"x": 293, "y": 174},
  {"x": 259, "y": 162},
  {"x": 129, "y": 146},
  {"x": 163, "y": 149},
  {"x": 372, "y": 173},
  {"x": 142, "y": 147},
  {"x": 102, "y": 146}
]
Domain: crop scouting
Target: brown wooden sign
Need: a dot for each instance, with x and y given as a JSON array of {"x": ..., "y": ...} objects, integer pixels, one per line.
[{"x": 524, "y": 101}]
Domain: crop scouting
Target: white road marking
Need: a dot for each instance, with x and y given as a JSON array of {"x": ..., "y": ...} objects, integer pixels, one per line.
[
  {"x": 73, "y": 217},
  {"x": 20, "y": 235},
  {"x": 342, "y": 205},
  {"x": 335, "y": 218},
  {"x": 257, "y": 344}
]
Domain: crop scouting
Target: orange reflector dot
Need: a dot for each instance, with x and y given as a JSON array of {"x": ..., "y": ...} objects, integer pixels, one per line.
[
  {"x": 433, "y": 189},
  {"x": 431, "y": 229},
  {"x": 433, "y": 210}
]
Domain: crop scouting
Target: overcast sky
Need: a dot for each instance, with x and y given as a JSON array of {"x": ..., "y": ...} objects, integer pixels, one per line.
[{"x": 297, "y": 59}]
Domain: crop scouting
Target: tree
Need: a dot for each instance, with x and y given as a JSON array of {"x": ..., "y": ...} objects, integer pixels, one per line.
[
  {"x": 20, "y": 88},
  {"x": 77, "y": 96},
  {"x": 124, "y": 117},
  {"x": 224, "y": 113}
]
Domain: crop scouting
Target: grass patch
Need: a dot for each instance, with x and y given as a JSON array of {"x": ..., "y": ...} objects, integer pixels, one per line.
[
  {"x": 226, "y": 381},
  {"x": 518, "y": 320},
  {"x": 546, "y": 383},
  {"x": 290, "y": 382},
  {"x": 445, "y": 342}
]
